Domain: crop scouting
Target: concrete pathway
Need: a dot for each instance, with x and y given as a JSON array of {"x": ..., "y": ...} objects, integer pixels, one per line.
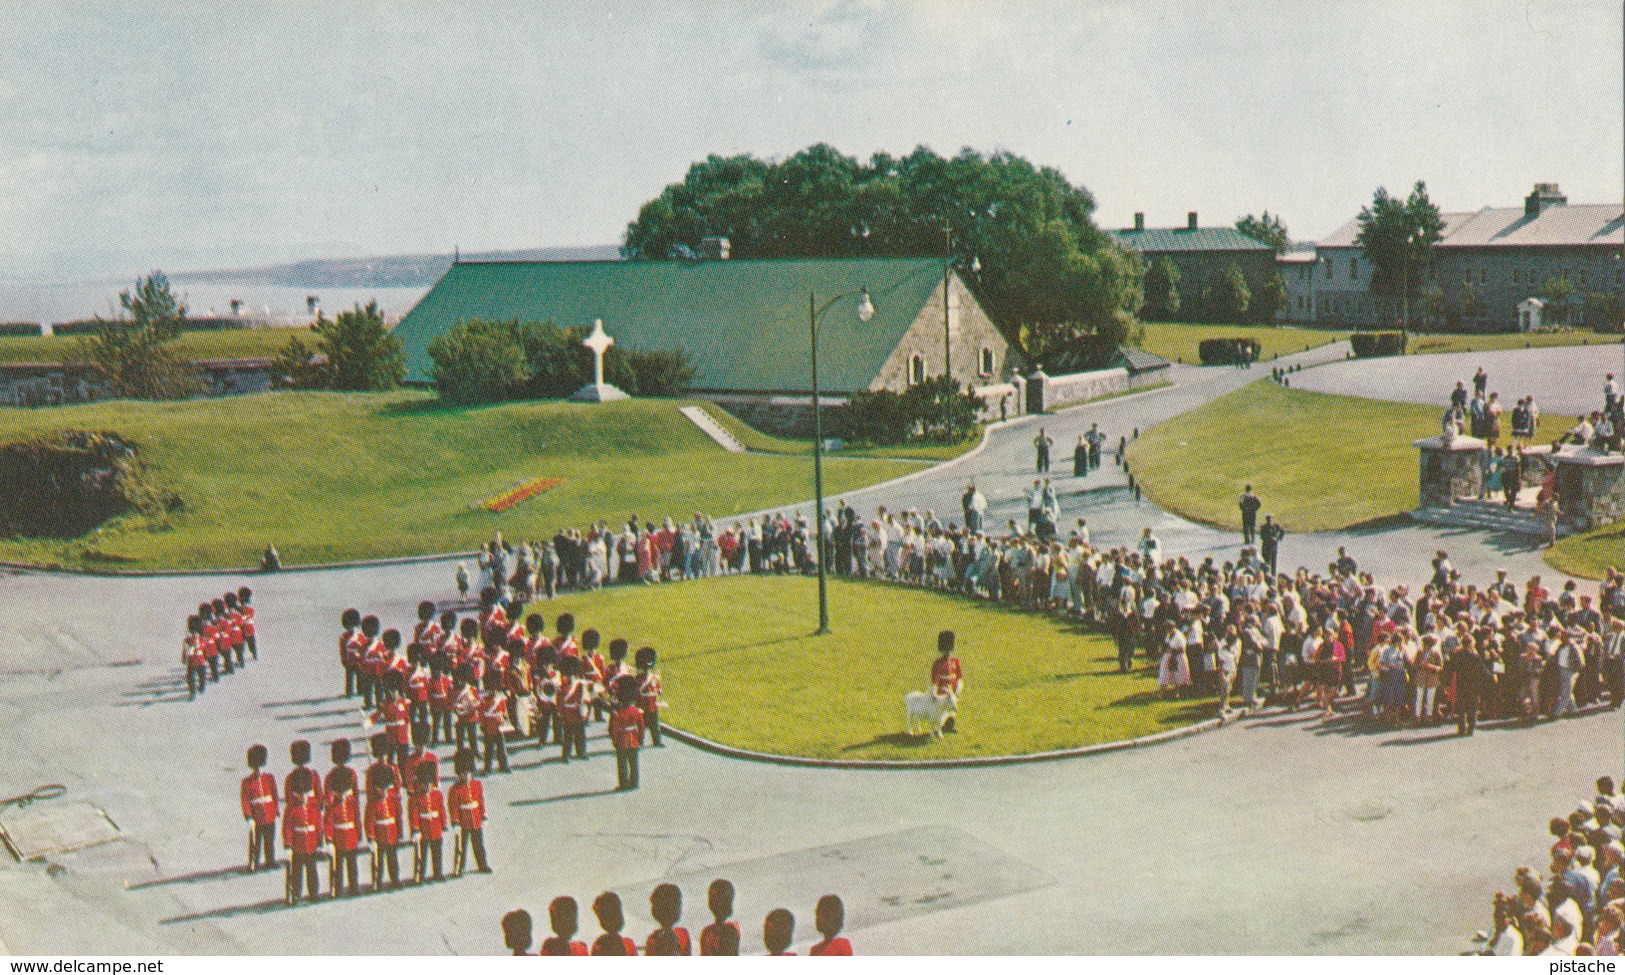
[{"x": 1278, "y": 835}]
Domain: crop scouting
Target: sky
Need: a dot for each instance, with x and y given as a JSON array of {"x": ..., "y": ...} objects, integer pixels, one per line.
[{"x": 152, "y": 134}]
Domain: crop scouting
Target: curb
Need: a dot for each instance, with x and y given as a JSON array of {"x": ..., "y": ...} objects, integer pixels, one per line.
[
  {"x": 176, "y": 573},
  {"x": 795, "y": 761}
]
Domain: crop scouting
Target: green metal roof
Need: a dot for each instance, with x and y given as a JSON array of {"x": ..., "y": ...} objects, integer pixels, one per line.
[
  {"x": 742, "y": 323},
  {"x": 1159, "y": 241}
]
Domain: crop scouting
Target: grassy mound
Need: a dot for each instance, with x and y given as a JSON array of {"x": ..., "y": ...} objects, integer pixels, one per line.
[
  {"x": 328, "y": 477},
  {"x": 1590, "y": 555},
  {"x": 1319, "y": 462},
  {"x": 741, "y": 668}
]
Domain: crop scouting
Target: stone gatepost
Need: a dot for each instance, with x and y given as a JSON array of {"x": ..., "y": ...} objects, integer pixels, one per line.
[
  {"x": 1590, "y": 487},
  {"x": 1037, "y": 392},
  {"x": 1450, "y": 469}
]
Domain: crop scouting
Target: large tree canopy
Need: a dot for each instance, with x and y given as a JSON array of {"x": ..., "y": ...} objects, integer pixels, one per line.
[
  {"x": 1398, "y": 237},
  {"x": 1021, "y": 236}
]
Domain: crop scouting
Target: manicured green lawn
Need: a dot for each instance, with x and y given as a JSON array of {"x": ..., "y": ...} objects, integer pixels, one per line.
[
  {"x": 330, "y": 477},
  {"x": 1429, "y": 344},
  {"x": 1180, "y": 341},
  {"x": 1590, "y": 555},
  {"x": 1319, "y": 462},
  {"x": 754, "y": 439},
  {"x": 741, "y": 668},
  {"x": 231, "y": 344}
]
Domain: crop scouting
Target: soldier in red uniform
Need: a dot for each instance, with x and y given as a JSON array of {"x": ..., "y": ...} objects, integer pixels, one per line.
[
  {"x": 378, "y": 744},
  {"x": 245, "y": 606},
  {"x": 946, "y": 676},
  {"x": 206, "y": 640},
  {"x": 195, "y": 659},
  {"x": 649, "y": 691},
  {"x": 666, "y": 907},
  {"x": 493, "y": 715},
  {"x": 442, "y": 690},
  {"x": 721, "y": 936},
  {"x": 426, "y": 632},
  {"x": 607, "y": 907},
  {"x": 466, "y": 705},
  {"x": 421, "y": 757},
  {"x": 626, "y": 733},
  {"x": 260, "y": 808},
  {"x": 565, "y": 645},
  {"x": 443, "y": 655},
  {"x": 593, "y": 671},
  {"x": 302, "y": 834},
  {"x": 428, "y": 817},
  {"x": 617, "y": 671},
  {"x": 222, "y": 634},
  {"x": 830, "y": 917},
  {"x": 350, "y": 646},
  {"x": 572, "y": 709},
  {"x": 516, "y": 935},
  {"x": 374, "y": 661},
  {"x": 518, "y": 687},
  {"x": 234, "y": 627},
  {"x": 472, "y": 659},
  {"x": 342, "y": 821},
  {"x": 384, "y": 824},
  {"x": 545, "y": 682},
  {"x": 417, "y": 684},
  {"x": 395, "y": 716},
  {"x": 534, "y": 640},
  {"x": 562, "y": 915},
  {"x": 468, "y": 813}
]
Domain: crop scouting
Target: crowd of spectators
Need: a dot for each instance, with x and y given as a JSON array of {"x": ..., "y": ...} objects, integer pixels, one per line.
[{"x": 1578, "y": 906}]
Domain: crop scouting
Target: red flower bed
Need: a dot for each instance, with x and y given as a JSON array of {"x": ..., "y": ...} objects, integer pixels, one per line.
[{"x": 523, "y": 492}]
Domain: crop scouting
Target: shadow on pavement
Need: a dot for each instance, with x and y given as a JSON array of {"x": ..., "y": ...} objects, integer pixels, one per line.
[
  {"x": 303, "y": 702},
  {"x": 564, "y": 798},
  {"x": 191, "y": 878}
]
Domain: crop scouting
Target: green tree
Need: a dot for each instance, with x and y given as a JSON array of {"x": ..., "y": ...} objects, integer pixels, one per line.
[
  {"x": 1271, "y": 300},
  {"x": 132, "y": 354},
  {"x": 1397, "y": 237},
  {"x": 296, "y": 366},
  {"x": 1559, "y": 294},
  {"x": 1602, "y": 311},
  {"x": 1266, "y": 230},
  {"x": 478, "y": 362},
  {"x": 1162, "y": 290},
  {"x": 1231, "y": 296},
  {"x": 1473, "y": 304},
  {"x": 362, "y": 354},
  {"x": 1044, "y": 265}
]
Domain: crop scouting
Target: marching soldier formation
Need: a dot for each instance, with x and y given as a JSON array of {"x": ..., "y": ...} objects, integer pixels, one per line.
[
  {"x": 470, "y": 684},
  {"x": 220, "y": 638}
]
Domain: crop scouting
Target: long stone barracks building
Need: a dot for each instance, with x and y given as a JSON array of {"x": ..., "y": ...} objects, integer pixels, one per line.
[
  {"x": 1202, "y": 254},
  {"x": 743, "y": 324},
  {"x": 1488, "y": 264}
]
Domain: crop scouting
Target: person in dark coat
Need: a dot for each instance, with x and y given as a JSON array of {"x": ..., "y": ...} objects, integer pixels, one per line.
[
  {"x": 1473, "y": 681},
  {"x": 1080, "y": 459}
]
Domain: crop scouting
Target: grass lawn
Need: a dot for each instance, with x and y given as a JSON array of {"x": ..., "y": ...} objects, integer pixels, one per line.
[
  {"x": 1590, "y": 555},
  {"x": 1179, "y": 341},
  {"x": 330, "y": 476},
  {"x": 1428, "y": 344},
  {"x": 741, "y": 668},
  {"x": 230, "y": 344},
  {"x": 754, "y": 439},
  {"x": 1319, "y": 462}
]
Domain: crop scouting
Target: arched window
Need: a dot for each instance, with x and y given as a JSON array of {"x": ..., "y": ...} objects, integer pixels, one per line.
[
  {"x": 916, "y": 369},
  {"x": 987, "y": 361}
]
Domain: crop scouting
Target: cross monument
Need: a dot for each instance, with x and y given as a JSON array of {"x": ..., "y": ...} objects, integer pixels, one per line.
[{"x": 598, "y": 391}]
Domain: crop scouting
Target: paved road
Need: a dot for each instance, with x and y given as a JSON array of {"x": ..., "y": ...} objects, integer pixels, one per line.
[
  {"x": 1275, "y": 835},
  {"x": 1564, "y": 380}
]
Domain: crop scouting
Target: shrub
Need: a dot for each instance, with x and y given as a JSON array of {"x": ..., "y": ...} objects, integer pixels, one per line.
[
  {"x": 1369, "y": 345},
  {"x": 362, "y": 354},
  {"x": 21, "y": 328},
  {"x": 1228, "y": 352},
  {"x": 660, "y": 372},
  {"x": 935, "y": 411},
  {"x": 478, "y": 362}
]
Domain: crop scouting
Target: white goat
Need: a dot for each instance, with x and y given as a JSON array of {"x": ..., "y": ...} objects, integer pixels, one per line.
[{"x": 928, "y": 711}]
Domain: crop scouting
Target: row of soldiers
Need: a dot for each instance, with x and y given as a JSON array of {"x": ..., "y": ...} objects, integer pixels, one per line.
[
  {"x": 488, "y": 676},
  {"x": 219, "y": 637},
  {"x": 324, "y": 818}
]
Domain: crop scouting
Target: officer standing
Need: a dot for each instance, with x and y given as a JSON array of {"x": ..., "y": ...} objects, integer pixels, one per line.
[
  {"x": 1249, "y": 505},
  {"x": 428, "y": 817},
  {"x": 342, "y": 825},
  {"x": 650, "y": 690},
  {"x": 302, "y": 834},
  {"x": 947, "y": 678},
  {"x": 1042, "y": 444},
  {"x": 1270, "y": 535},
  {"x": 626, "y": 733},
  {"x": 260, "y": 807},
  {"x": 384, "y": 824},
  {"x": 468, "y": 814}
]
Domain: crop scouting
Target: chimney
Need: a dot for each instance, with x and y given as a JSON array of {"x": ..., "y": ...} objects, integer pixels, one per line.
[
  {"x": 1190, "y": 220},
  {"x": 1544, "y": 197},
  {"x": 236, "y": 306},
  {"x": 311, "y": 301},
  {"x": 1139, "y": 221},
  {"x": 713, "y": 248}
]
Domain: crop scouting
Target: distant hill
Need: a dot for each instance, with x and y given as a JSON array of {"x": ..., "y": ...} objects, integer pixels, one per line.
[{"x": 389, "y": 271}]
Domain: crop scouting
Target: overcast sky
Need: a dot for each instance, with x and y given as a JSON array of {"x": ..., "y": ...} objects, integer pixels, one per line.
[{"x": 159, "y": 134}]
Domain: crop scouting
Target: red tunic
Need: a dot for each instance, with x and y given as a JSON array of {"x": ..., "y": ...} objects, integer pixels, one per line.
[
  {"x": 384, "y": 817},
  {"x": 206, "y": 642},
  {"x": 493, "y": 713},
  {"x": 192, "y": 652},
  {"x": 417, "y": 685},
  {"x": 946, "y": 676},
  {"x": 396, "y": 717},
  {"x": 429, "y": 814},
  {"x": 467, "y": 705},
  {"x": 563, "y": 948},
  {"x": 420, "y": 760},
  {"x": 440, "y": 689},
  {"x": 684, "y": 945},
  {"x": 259, "y": 798},
  {"x": 344, "y": 822},
  {"x": 626, "y": 728},
  {"x": 248, "y": 620},
  {"x": 351, "y": 643},
  {"x": 831, "y": 946},
  {"x": 468, "y": 804},
  {"x": 649, "y": 692},
  {"x": 572, "y": 700},
  {"x": 302, "y": 828}
]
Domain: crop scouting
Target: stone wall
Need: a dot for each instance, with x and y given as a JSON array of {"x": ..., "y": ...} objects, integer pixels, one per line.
[
  {"x": 972, "y": 333},
  {"x": 1590, "y": 488},
  {"x": 1449, "y": 470},
  {"x": 52, "y": 384},
  {"x": 1046, "y": 393}
]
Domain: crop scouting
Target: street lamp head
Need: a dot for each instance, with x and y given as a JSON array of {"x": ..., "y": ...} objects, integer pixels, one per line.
[
  {"x": 866, "y": 308},
  {"x": 976, "y": 265}
]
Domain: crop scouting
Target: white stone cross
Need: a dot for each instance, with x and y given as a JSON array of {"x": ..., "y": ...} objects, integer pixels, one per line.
[{"x": 599, "y": 342}]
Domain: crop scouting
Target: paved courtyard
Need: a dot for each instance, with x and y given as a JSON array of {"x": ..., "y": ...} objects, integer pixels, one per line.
[{"x": 1275, "y": 835}]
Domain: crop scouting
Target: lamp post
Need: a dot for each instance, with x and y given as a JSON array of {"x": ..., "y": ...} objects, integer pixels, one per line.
[{"x": 866, "y": 310}]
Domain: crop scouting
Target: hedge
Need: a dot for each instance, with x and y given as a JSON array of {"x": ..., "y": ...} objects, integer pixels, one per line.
[
  {"x": 1228, "y": 352},
  {"x": 1369, "y": 345},
  {"x": 21, "y": 328}
]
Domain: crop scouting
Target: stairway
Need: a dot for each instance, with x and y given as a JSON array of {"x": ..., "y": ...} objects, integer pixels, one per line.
[
  {"x": 1487, "y": 515},
  {"x": 713, "y": 429}
]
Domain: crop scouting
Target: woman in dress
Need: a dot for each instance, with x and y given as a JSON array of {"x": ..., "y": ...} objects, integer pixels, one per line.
[
  {"x": 1173, "y": 674},
  {"x": 1329, "y": 663}
]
